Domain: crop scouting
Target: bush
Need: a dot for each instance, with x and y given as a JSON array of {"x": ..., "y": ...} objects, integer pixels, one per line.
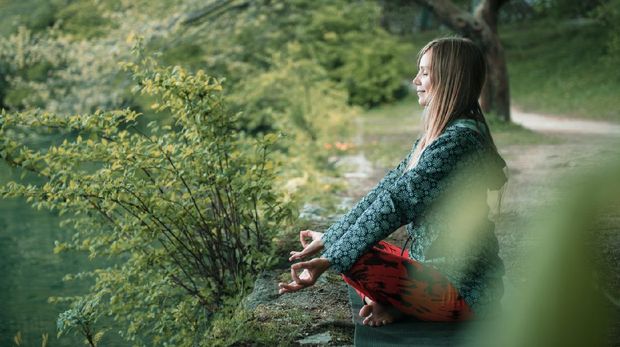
[
  {"x": 343, "y": 37},
  {"x": 186, "y": 210}
]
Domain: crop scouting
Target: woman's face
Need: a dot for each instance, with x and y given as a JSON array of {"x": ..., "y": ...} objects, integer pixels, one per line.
[{"x": 422, "y": 80}]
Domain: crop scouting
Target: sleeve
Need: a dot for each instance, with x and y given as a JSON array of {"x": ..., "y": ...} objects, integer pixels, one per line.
[
  {"x": 335, "y": 231},
  {"x": 402, "y": 202}
]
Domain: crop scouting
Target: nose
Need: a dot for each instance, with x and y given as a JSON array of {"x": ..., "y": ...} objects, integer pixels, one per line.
[{"x": 416, "y": 80}]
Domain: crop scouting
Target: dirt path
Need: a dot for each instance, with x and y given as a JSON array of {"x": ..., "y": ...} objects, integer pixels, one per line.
[
  {"x": 535, "y": 168},
  {"x": 555, "y": 124},
  {"x": 538, "y": 173}
]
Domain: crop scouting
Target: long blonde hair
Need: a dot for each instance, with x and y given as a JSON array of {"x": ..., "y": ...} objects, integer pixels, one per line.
[{"x": 457, "y": 74}]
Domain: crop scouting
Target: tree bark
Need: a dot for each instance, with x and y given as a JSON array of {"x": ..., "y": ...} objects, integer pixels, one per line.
[{"x": 481, "y": 27}]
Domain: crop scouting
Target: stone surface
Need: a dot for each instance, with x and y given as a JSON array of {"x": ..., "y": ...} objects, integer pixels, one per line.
[{"x": 318, "y": 339}]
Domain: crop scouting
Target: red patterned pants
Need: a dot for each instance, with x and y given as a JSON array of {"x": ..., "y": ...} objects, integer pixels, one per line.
[{"x": 386, "y": 277}]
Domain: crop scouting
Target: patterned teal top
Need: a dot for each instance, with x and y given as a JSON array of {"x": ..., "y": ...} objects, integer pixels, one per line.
[{"x": 443, "y": 202}]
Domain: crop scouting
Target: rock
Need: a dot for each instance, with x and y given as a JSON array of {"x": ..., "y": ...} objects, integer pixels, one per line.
[
  {"x": 318, "y": 339},
  {"x": 312, "y": 212},
  {"x": 265, "y": 290}
]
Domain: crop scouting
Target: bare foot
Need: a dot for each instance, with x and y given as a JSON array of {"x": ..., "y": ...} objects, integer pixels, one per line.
[{"x": 376, "y": 315}]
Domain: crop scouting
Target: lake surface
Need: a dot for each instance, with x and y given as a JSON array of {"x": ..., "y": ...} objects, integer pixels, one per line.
[{"x": 30, "y": 272}]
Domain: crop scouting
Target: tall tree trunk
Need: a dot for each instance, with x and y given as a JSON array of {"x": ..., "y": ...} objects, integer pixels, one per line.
[
  {"x": 481, "y": 27},
  {"x": 496, "y": 91}
]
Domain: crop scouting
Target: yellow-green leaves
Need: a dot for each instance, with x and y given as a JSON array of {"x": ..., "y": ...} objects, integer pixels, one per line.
[{"x": 186, "y": 210}]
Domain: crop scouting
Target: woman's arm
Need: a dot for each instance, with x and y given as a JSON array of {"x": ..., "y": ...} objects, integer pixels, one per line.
[
  {"x": 310, "y": 271},
  {"x": 336, "y": 230},
  {"x": 405, "y": 200}
]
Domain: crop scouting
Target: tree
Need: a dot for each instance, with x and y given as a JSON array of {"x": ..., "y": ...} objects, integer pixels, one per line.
[{"x": 481, "y": 27}]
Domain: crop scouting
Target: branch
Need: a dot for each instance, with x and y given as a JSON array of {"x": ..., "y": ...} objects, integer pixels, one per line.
[
  {"x": 455, "y": 18},
  {"x": 213, "y": 9},
  {"x": 488, "y": 10}
]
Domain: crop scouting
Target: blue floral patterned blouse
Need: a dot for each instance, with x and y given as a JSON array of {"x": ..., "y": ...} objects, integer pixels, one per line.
[{"x": 443, "y": 202}]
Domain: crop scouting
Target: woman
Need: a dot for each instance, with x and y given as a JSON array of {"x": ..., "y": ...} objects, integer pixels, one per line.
[{"x": 451, "y": 270}]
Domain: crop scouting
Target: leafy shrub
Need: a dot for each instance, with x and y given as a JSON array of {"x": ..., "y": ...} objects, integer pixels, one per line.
[
  {"x": 347, "y": 40},
  {"x": 186, "y": 210},
  {"x": 343, "y": 37}
]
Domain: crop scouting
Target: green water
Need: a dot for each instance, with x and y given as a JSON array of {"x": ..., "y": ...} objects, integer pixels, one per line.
[{"x": 30, "y": 272}]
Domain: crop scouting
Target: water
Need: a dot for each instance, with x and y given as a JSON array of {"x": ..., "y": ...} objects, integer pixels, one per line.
[{"x": 30, "y": 272}]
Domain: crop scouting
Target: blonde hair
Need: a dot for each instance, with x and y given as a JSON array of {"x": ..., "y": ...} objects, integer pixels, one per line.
[{"x": 457, "y": 74}]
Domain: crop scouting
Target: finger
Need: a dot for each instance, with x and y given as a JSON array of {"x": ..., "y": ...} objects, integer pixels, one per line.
[
  {"x": 302, "y": 237},
  {"x": 307, "y": 278},
  {"x": 297, "y": 255},
  {"x": 283, "y": 288},
  {"x": 294, "y": 273},
  {"x": 290, "y": 287}
]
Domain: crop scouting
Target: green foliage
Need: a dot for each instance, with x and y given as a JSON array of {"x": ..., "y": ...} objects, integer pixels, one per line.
[
  {"x": 566, "y": 8},
  {"x": 568, "y": 75},
  {"x": 349, "y": 43},
  {"x": 51, "y": 71},
  {"x": 82, "y": 314},
  {"x": 343, "y": 37},
  {"x": 294, "y": 96},
  {"x": 186, "y": 210},
  {"x": 82, "y": 19},
  {"x": 113, "y": 178},
  {"x": 74, "y": 62},
  {"x": 609, "y": 15},
  {"x": 35, "y": 14}
]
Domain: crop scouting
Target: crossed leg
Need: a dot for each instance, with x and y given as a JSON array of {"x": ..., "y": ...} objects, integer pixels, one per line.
[{"x": 392, "y": 285}]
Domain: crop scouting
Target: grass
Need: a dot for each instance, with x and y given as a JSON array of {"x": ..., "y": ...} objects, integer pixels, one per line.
[
  {"x": 559, "y": 69},
  {"x": 389, "y": 132}
]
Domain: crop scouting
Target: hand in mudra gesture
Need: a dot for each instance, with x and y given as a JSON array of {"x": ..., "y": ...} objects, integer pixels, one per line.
[
  {"x": 309, "y": 248},
  {"x": 310, "y": 270}
]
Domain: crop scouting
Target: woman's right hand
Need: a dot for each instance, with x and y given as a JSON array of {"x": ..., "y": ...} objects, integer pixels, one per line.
[{"x": 310, "y": 248}]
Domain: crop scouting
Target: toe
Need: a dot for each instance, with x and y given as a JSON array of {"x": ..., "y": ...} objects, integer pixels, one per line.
[
  {"x": 366, "y": 321},
  {"x": 365, "y": 311}
]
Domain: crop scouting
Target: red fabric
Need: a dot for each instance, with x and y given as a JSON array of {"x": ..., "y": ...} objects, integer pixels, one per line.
[{"x": 388, "y": 278}]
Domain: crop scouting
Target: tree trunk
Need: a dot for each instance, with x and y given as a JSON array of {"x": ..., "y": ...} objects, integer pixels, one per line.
[
  {"x": 482, "y": 29},
  {"x": 495, "y": 97}
]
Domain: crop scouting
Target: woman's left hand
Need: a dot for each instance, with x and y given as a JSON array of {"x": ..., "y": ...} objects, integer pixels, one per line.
[
  {"x": 311, "y": 270},
  {"x": 310, "y": 248}
]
